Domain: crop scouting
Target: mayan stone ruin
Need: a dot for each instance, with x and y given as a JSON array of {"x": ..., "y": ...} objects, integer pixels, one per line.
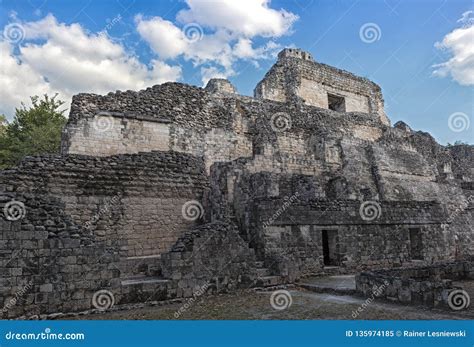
[{"x": 174, "y": 189}]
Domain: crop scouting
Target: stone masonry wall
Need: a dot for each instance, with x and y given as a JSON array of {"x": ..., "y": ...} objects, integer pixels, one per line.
[
  {"x": 292, "y": 76},
  {"x": 214, "y": 183},
  {"x": 220, "y": 126},
  {"x": 49, "y": 263},
  {"x": 212, "y": 254},
  {"x": 347, "y": 171},
  {"x": 295, "y": 230},
  {"x": 428, "y": 286},
  {"x": 110, "y": 133},
  {"x": 169, "y": 117},
  {"x": 132, "y": 201}
]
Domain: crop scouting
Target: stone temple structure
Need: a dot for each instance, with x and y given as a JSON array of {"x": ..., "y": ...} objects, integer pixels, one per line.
[{"x": 175, "y": 188}]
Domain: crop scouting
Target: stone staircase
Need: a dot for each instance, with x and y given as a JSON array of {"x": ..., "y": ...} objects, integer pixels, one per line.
[
  {"x": 142, "y": 281},
  {"x": 264, "y": 276}
]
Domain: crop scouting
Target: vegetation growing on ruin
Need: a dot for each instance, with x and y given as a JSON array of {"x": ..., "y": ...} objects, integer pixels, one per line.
[{"x": 34, "y": 130}]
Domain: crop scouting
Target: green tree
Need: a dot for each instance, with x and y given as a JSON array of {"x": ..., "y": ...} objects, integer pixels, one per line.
[
  {"x": 3, "y": 124},
  {"x": 34, "y": 130}
]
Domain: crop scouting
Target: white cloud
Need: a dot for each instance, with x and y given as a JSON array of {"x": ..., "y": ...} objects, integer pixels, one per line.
[
  {"x": 467, "y": 18},
  {"x": 68, "y": 60},
  {"x": 163, "y": 36},
  {"x": 62, "y": 58},
  {"x": 223, "y": 34},
  {"x": 18, "y": 81},
  {"x": 244, "y": 49},
  {"x": 460, "y": 44},
  {"x": 246, "y": 17},
  {"x": 213, "y": 72}
]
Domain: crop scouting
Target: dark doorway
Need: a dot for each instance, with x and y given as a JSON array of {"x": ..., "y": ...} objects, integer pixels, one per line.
[
  {"x": 416, "y": 244},
  {"x": 336, "y": 103},
  {"x": 329, "y": 239}
]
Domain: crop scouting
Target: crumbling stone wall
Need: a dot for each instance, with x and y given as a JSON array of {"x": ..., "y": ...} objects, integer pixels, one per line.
[
  {"x": 269, "y": 179},
  {"x": 459, "y": 224},
  {"x": 50, "y": 263},
  {"x": 430, "y": 285},
  {"x": 213, "y": 253},
  {"x": 213, "y": 122},
  {"x": 133, "y": 201},
  {"x": 384, "y": 241},
  {"x": 168, "y": 117},
  {"x": 284, "y": 233},
  {"x": 298, "y": 75},
  {"x": 89, "y": 223},
  {"x": 335, "y": 175}
]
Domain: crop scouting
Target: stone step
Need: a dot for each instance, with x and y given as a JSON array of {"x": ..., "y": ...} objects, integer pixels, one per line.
[
  {"x": 337, "y": 284},
  {"x": 331, "y": 270},
  {"x": 149, "y": 265},
  {"x": 262, "y": 272},
  {"x": 140, "y": 289},
  {"x": 329, "y": 290},
  {"x": 137, "y": 280},
  {"x": 269, "y": 281}
]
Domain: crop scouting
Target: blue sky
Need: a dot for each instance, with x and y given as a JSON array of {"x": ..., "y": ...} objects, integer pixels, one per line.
[{"x": 141, "y": 48}]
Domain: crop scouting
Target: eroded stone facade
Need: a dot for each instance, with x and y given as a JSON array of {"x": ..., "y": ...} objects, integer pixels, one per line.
[
  {"x": 282, "y": 185},
  {"x": 427, "y": 285},
  {"x": 297, "y": 75}
]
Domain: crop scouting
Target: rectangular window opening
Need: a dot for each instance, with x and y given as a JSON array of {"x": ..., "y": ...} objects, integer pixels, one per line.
[{"x": 336, "y": 103}]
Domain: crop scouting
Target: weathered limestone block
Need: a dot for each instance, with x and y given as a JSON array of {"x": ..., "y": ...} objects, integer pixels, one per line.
[
  {"x": 220, "y": 85},
  {"x": 214, "y": 253}
]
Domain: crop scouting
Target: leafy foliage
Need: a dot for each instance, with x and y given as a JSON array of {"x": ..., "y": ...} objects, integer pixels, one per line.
[{"x": 34, "y": 130}]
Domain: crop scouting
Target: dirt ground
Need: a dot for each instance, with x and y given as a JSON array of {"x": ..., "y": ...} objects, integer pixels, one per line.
[{"x": 250, "y": 305}]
